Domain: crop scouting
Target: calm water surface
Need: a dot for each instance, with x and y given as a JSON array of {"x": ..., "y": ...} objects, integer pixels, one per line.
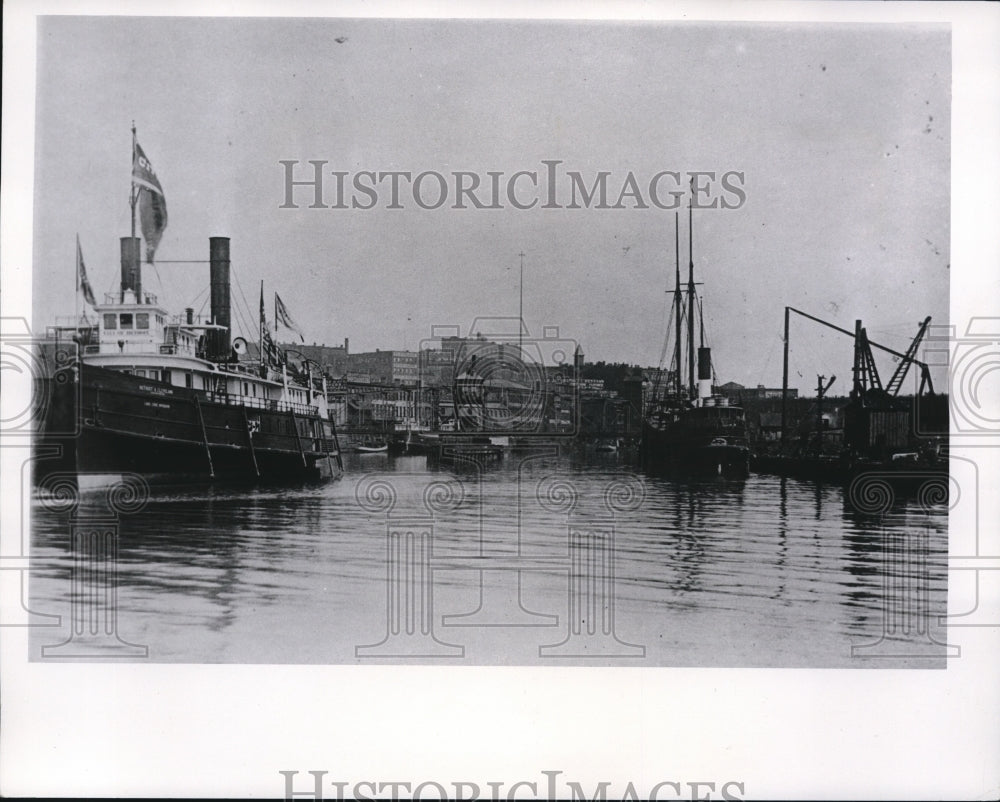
[{"x": 531, "y": 561}]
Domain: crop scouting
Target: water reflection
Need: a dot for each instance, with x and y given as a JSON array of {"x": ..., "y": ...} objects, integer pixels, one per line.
[{"x": 761, "y": 571}]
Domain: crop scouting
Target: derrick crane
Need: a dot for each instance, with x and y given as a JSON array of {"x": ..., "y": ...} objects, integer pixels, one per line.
[
  {"x": 865, "y": 373},
  {"x": 866, "y": 376},
  {"x": 892, "y": 388}
]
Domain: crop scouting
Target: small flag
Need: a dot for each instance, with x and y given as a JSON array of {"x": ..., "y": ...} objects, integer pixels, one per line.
[
  {"x": 82, "y": 284},
  {"x": 269, "y": 352},
  {"x": 282, "y": 316},
  {"x": 152, "y": 202}
]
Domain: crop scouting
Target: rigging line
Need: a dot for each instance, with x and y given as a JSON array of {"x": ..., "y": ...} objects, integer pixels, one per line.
[
  {"x": 708, "y": 336},
  {"x": 666, "y": 340},
  {"x": 159, "y": 281},
  {"x": 244, "y": 322},
  {"x": 663, "y": 354},
  {"x": 235, "y": 307},
  {"x": 251, "y": 333},
  {"x": 195, "y": 299}
]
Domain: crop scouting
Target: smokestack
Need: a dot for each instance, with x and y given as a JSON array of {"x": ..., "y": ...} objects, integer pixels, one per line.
[
  {"x": 131, "y": 270},
  {"x": 189, "y": 315},
  {"x": 219, "y": 341},
  {"x": 704, "y": 372}
]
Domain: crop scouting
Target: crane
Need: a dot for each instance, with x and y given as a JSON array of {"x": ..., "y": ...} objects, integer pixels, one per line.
[
  {"x": 892, "y": 388},
  {"x": 866, "y": 376}
]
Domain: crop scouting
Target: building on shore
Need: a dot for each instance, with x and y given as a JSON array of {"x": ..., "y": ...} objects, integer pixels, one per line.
[
  {"x": 737, "y": 392},
  {"x": 395, "y": 368},
  {"x": 332, "y": 359}
]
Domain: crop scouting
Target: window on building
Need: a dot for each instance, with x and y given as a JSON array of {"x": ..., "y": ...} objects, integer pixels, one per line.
[
  {"x": 111, "y": 321},
  {"x": 165, "y": 376},
  {"x": 142, "y": 320},
  {"x": 188, "y": 382},
  {"x": 141, "y": 373},
  {"x": 126, "y": 320}
]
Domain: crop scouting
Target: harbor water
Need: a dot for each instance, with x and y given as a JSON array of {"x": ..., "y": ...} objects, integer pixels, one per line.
[{"x": 533, "y": 559}]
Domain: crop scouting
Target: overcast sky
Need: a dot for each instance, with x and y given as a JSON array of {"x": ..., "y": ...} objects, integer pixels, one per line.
[{"x": 842, "y": 134}]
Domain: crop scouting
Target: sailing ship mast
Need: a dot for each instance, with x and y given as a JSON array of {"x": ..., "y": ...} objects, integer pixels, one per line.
[
  {"x": 678, "y": 301},
  {"x": 691, "y": 389}
]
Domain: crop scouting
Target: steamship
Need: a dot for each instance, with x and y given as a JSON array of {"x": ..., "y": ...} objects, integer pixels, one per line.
[
  {"x": 170, "y": 398},
  {"x": 686, "y": 427}
]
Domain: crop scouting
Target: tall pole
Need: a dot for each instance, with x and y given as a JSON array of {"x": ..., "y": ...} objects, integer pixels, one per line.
[
  {"x": 133, "y": 196},
  {"x": 260, "y": 327},
  {"x": 678, "y": 299},
  {"x": 819, "y": 413},
  {"x": 520, "y": 311},
  {"x": 784, "y": 381},
  {"x": 690, "y": 304}
]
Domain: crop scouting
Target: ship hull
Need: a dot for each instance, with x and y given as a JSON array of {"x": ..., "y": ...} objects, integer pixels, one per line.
[
  {"x": 104, "y": 423},
  {"x": 902, "y": 474},
  {"x": 676, "y": 451}
]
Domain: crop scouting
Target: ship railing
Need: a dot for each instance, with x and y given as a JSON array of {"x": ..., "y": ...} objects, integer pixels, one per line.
[
  {"x": 246, "y": 369},
  {"x": 177, "y": 349},
  {"x": 113, "y": 299},
  {"x": 71, "y": 322},
  {"x": 230, "y": 399}
]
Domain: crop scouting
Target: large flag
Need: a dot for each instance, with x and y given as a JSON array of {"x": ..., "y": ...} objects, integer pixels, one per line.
[
  {"x": 269, "y": 352},
  {"x": 282, "y": 316},
  {"x": 152, "y": 203},
  {"x": 82, "y": 284}
]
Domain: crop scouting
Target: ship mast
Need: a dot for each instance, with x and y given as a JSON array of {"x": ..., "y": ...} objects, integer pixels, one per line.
[
  {"x": 260, "y": 331},
  {"x": 133, "y": 196},
  {"x": 678, "y": 300},
  {"x": 130, "y": 252},
  {"x": 690, "y": 301}
]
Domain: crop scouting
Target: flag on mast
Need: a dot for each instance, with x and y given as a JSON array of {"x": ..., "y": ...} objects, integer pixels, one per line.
[
  {"x": 152, "y": 202},
  {"x": 269, "y": 352},
  {"x": 82, "y": 284},
  {"x": 282, "y": 316}
]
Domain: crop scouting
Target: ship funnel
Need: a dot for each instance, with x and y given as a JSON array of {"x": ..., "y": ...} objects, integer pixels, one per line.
[
  {"x": 131, "y": 268},
  {"x": 219, "y": 340},
  {"x": 704, "y": 372}
]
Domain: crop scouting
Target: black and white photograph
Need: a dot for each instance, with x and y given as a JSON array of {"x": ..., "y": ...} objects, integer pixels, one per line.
[{"x": 621, "y": 382}]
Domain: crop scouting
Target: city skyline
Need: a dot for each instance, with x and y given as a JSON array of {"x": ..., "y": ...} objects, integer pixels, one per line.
[{"x": 837, "y": 216}]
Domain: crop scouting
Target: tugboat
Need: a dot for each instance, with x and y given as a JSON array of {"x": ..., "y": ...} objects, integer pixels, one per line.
[
  {"x": 174, "y": 398},
  {"x": 688, "y": 429}
]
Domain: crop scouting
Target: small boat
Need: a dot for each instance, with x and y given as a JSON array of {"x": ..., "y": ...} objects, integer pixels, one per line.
[{"x": 371, "y": 449}]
